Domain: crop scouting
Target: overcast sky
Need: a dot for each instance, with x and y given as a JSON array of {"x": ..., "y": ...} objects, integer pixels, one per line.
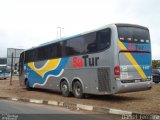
[{"x": 28, "y": 23}]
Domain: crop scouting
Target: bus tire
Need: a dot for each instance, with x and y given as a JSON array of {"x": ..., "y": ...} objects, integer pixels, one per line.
[
  {"x": 28, "y": 86},
  {"x": 78, "y": 90},
  {"x": 65, "y": 89}
]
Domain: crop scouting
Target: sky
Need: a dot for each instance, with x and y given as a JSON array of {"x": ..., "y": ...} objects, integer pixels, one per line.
[{"x": 28, "y": 23}]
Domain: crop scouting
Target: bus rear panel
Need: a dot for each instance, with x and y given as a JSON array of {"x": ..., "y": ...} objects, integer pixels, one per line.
[{"x": 134, "y": 57}]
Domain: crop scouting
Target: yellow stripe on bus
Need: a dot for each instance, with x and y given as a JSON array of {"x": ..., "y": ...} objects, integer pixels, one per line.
[
  {"x": 132, "y": 60},
  {"x": 50, "y": 65}
]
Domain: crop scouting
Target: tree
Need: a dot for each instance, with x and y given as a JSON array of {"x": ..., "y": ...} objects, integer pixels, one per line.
[{"x": 155, "y": 64}]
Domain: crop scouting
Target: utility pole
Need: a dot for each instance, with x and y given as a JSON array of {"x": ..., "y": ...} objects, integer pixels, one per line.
[
  {"x": 11, "y": 69},
  {"x": 60, "y": 32}
]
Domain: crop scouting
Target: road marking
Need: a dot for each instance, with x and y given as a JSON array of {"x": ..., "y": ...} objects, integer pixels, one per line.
[
  {"x": 85, "y": 107},
  {"x": 36, "y": 101},
  {"x": 14, "y": 99},
  {"x": 119, "y": 112},
  {"x": 52, "y": 102}
]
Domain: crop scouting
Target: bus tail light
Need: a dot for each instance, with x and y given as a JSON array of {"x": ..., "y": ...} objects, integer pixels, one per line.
[{"x": 117, "y": 71}]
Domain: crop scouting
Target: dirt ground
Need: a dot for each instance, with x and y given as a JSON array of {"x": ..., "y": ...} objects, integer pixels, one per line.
[{"x": 145, "y": 102}]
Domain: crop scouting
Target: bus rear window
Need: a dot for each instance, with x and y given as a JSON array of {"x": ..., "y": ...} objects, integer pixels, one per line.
[{"x": 133, "y": 35}]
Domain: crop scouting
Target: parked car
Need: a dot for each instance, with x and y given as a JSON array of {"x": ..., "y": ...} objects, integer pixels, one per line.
[
  {"x": 4, "y": 72},
  {"x": 156, "y": 75}
]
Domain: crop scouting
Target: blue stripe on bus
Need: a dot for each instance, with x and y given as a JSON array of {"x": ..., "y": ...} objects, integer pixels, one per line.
[
  {"x": 144, "y": 60},
  {"x": 34, "y": 78}
]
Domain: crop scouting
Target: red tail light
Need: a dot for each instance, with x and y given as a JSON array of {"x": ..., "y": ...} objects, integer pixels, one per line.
[{"x": 117, "y": 71}]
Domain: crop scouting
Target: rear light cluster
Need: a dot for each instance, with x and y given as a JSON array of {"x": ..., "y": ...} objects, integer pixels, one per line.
[{"x": 117, "y": 71}]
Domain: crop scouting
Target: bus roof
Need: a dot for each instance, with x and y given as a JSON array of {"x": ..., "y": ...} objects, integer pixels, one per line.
[
  {"x": 130, "y": 25},
  {"x": 66, "y": 38},
  {"x": 53, "y": 41},
  {"x": 100, "y": 28}
]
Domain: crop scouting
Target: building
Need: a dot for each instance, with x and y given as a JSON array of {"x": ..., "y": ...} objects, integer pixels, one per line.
[
  {"x": 3, "y": 60},
  {"x": 16, "y": 54}
]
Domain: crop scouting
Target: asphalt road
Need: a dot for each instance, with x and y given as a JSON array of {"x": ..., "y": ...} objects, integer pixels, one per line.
[{"x": 11, "y": 110}]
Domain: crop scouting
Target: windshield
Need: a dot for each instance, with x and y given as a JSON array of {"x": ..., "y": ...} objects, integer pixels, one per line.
[{"x": 133, "y": 34}]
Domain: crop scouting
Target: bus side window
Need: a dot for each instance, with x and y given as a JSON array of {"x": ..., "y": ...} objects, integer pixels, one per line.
[
  {"x": 91, "y": 47},
  {"x": 103, "y": 39},
  {"x": 74, "y": 46},
  {"x": 90, "y": 44}
]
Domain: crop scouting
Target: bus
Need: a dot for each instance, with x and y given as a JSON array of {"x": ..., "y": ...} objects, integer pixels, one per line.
[
  {"x": 4, "y": 71},
  {"x": 112, "y": 59}
]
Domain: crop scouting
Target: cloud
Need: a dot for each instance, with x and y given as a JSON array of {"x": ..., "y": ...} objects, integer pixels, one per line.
[{"x": 32, "y": 22}]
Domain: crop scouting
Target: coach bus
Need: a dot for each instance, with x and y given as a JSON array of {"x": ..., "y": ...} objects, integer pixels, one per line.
[{"x": 112, "y": 59}]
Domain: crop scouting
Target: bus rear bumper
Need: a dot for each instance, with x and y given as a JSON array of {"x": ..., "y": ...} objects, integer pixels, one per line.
[{"x": 133, "y": 87}]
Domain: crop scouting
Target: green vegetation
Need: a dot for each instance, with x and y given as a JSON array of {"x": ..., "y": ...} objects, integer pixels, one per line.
[{"x": 155, "y": 64}]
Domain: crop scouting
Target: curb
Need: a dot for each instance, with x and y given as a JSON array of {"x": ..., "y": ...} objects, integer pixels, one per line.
[{"x": 73, "y": 105}]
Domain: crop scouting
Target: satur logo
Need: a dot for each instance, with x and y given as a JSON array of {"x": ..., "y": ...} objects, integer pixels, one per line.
[{"x": 84, "y": 61}]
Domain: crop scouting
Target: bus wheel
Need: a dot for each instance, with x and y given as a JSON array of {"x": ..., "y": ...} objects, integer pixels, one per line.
[
  {"x": 78, "y": 90},
  {"x": 65, "y": 89}
]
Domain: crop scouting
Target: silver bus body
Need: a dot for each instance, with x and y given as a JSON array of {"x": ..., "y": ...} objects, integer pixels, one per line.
[{"x": 118, "y": 68}]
